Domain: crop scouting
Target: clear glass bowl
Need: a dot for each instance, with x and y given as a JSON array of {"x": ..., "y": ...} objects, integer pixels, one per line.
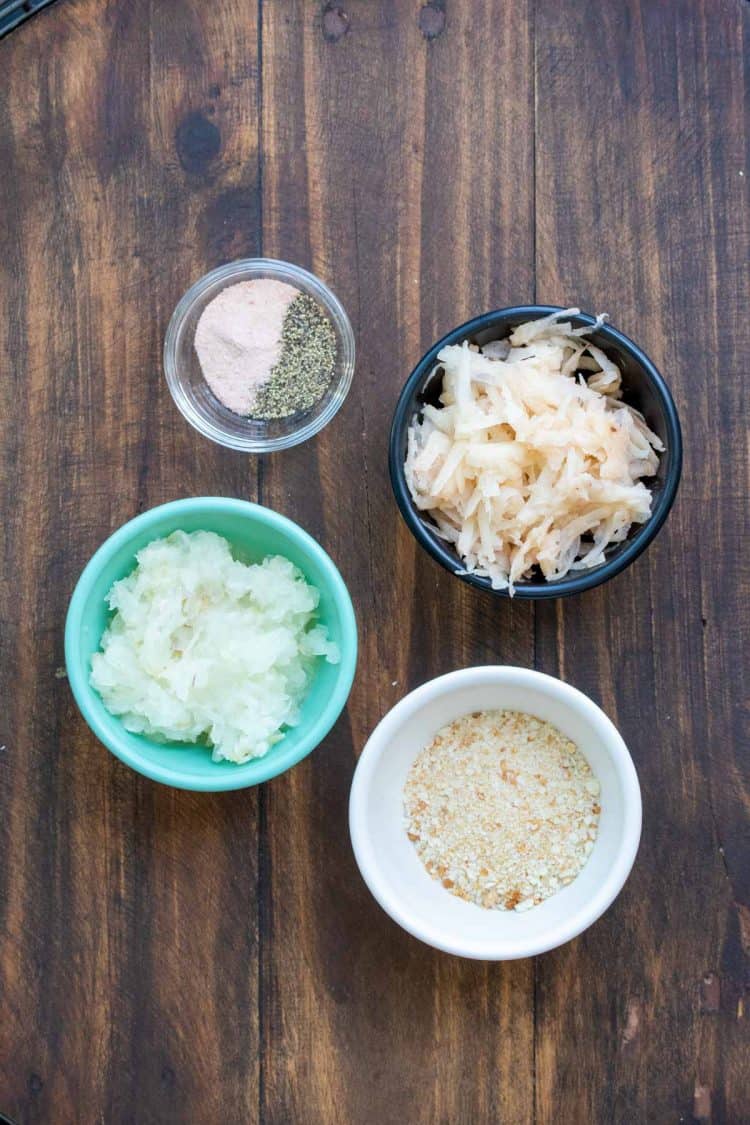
[{"x": 196, "y": 400}]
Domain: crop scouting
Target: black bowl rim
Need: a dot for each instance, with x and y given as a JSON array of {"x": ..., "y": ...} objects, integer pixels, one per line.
[{"x": 585, "y": 579}]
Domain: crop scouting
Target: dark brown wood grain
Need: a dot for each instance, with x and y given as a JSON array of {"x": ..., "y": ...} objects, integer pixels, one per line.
[
  {"x": 379, "y": 183},
  {"x": 642, "y": 211},
  {"x": 129, "y": 165},
  {"x": 174, "y": 957}
]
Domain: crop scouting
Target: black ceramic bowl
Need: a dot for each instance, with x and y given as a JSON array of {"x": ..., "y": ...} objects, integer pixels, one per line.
[{"x": 643, "y": 388}]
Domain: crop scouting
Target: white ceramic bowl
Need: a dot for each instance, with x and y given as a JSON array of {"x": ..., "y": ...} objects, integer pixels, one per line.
[{"x": 390, "y": 865}]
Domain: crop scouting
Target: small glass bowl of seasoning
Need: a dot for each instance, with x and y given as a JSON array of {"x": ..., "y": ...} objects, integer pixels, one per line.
[{"x": 259, "y": 355}]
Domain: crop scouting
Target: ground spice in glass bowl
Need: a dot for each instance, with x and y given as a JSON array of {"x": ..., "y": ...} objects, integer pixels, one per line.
[
  {"x": 306, "y": 365},
  {"x": 259, "y": 355}
]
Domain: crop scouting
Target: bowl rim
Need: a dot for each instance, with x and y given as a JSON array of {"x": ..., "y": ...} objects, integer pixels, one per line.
[
  {"x": 585, "y": 579},
  {"x": 258, "y": 769},
  {"x": 247, "y": 268},
  {"x": 365, "y": 854}
]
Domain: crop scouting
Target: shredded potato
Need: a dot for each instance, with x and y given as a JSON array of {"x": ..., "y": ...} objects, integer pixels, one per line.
[{"x": 526, "y": 463}]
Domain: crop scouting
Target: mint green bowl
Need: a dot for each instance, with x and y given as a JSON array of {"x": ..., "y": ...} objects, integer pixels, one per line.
[{"x": 254, "y": 532}]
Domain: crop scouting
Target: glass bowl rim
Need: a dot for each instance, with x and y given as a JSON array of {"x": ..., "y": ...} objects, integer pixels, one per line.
[{"x": 247, "y": 269}]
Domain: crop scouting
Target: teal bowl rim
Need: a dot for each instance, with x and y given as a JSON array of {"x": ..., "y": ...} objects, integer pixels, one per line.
[{"x": 262, "y": 768}]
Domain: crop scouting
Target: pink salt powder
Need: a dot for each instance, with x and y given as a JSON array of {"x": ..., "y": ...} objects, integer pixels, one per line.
[{"x": 238, "y": 339}]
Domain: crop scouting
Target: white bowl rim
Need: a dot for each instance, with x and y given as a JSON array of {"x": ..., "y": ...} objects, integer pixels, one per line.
[{"x": 492, "y": 949}]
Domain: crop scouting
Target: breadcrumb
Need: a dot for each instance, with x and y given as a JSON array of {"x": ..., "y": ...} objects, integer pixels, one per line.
[{"x": 502, "y": 809}]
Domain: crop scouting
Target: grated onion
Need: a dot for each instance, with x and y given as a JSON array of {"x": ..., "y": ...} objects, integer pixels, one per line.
[{"x": 205, "y": 648}]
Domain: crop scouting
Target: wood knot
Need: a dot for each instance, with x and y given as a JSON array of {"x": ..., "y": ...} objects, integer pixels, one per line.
[
  {"x": 198, "y": 142},
  {"x": 35, "y": 1084},
  {"x": 432, "y": 19},
  {"x": 335, "y": 23}
]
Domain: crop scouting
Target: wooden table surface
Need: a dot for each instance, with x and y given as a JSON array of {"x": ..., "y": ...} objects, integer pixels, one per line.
[{"x": 177, "y": 957}]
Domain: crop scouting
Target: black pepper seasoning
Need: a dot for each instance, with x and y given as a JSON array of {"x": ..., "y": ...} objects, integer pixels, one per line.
[{"x": 306, "y": 366}]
